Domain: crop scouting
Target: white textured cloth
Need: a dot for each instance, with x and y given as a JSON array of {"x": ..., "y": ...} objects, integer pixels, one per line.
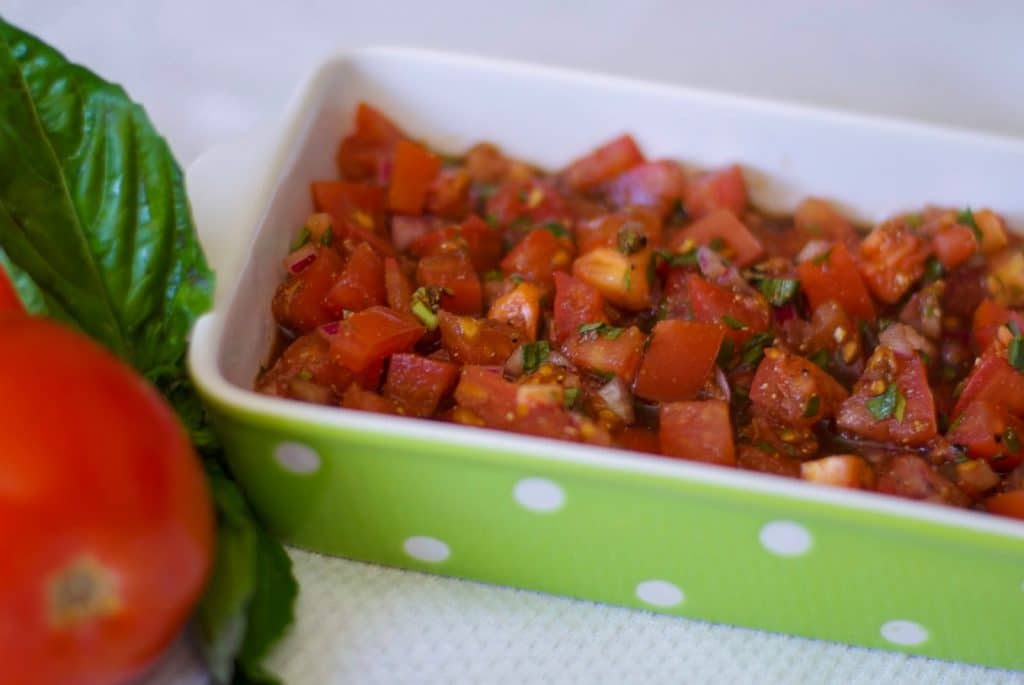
[{"x": 359, "y": 623}]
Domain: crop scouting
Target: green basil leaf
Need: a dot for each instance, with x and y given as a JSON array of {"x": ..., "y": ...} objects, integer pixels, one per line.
[{"x": 779, "y": 291}]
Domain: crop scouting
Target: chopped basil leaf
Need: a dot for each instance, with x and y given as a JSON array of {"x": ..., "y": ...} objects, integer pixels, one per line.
[
  {"x": 587, "y": 327},
  {"x": 888, "y": 404},
  {"x": 925, "y": 357},
  {"x": 305, "y": 375},
  {"x": 766, "y": 446},
  {"x": 933, "y": 270},
  {"x": 492, "y": 220},
  {"x": 913, "y": 220},
  {"x": 820, "y": 358},
  {"x": 813, "y": 405},
  {"x": 1014, "y": 328},
  {"x": 494, "y": 275},
  {"x": 570, "y": 397},
  {"x": 424, "y": 305},
  {"x": 740, "y": 396},
  {"x": 966, "y": 217},
  {"x": 732, "y": 323},
  {"x": 516, "y": 278},
  {"x": 301, "y": 239},
  {"x": 753, "y": 348},
  {"x": 779, "y": 291},
  {"x": 688, "y": 258},
  {"x": 960, "y": 459},
  {"x": 1015, "y": 353},
  {"x": 328, "y": 237},
  {"x": 601, "y": 329},
  {"x": 535, "y": 354},
  {"x": 630, "y": 240},
  {"x": 558, "y": 229},
  {"x": 627, "y": 279},
  {"x": 611, "y": 332},
  {"x": 1012, "y": 440}
]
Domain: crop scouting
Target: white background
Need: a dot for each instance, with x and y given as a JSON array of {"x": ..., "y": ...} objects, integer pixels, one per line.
[{"x": 210, "y": 70}]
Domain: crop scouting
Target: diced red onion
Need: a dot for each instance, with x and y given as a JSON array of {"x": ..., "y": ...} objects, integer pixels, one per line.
[
  {"x": 558, "y": 359},
  {"x": 514, "y": 364},
  {"x": 723, "y": 384},
  {"x": 719, "y": 271},
  {"x": 616, "y": 396},
  {"x": 405, "y": 230},
  {"x": 330, "y": 328},
  {"x": 301, "y": 259},
  {"x": 812, "y": 250},
  {"x": 905, "y": 340},
  {"x": 784, "y": 313}
]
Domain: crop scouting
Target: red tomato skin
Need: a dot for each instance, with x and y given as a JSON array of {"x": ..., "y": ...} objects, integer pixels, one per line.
[
  {"x": 473, "y": 238},
  {"x": 817, "y": 218},
  {"x": 576, "y": 303},
  {"x": 483, "y": 342},
  {"x": 361, "y": 283},
  {"x": 463, "y": 292},
  {"x": 698, "y": 431},
  {"x": 993, "y": 379},
  {"x": 309, "y": 354},
  {"x": 603, "y": 164},
  {"x": 836, "y": 278},
  {"x": 722, "y": 189},
  {"x": 299, "y": 303},
  {"x": 621, "y": 280},
  {"x": 919, "y": 424},
  {"x": 520, "y": 307},
  {"x": 98, "y": 474},
  {"x": 784, "y": 387},
  {"x": 366, "y": 338},
  {"x": 910, "y": 476},
  {"x": 953, "y": 245},
  {"x": 449, "y": 194},
  {"x": 1009, "y": 504},
  {"x": 892, "y": 259},
  {"x": 397, "y": 286},
  {"x": 366, "y": 153},
  {"x": 538, "y": 256},
  {"x": 657, "y": 186},
  {"x": 603, "y": 230},
  {"x": 418, "y": 384},
  {"x": 711, "y": 303},
  {"x": 360, "y": 399},
  {"x": 679, "y": 360},
  {"x": 982, "y": 428},
  {"x": 721, "y": 223},
  {"x": 361, "y": 204},
  {"x": 535, "y": 201},
  {"x": 602, "y": 354},
  {"x": 415, "y": 169}
]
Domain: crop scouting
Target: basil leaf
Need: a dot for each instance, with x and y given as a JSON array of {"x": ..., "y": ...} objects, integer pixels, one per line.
[
  {"x": 535, "y": 354},
  {"x": 889, "y": 403},
  {"x": 779, "y": 291},
  {"x": 813, "y": 405},
  {"x": 966, "y": 218},
  {"x": 96, "y": 231}
]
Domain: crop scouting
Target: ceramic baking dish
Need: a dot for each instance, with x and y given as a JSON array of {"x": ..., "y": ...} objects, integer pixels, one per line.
[{"x": 640, "y": 531}]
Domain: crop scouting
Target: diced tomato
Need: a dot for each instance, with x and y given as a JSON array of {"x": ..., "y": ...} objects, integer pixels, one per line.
[
  {"x": 603, "y": 164},
  {"x": 836, "y": 278},
  {"x": 678, "y": 361},
  {"x": 576, "y": 303},
  {"x": 741, "y": 315},
  {"x": 1005, "y": 280},
  {"x": 449, "y": 194},
  {"x": 532, "y": 201},
  {"x": 361, "y": 283},
  {"x": 698, "y": 430},
  {"x": 370, "y": 336},
  {"x": 305, "y": 370},
  {"x": 989, "y": 433},
  {"x": 993, "y": 231},
  {"x": 954, "y": 244},
  {"x": 841, "y": 470},
  {"x": 892, "y": 260},
  {"x": 793, "y": 390},
  {"x": 618, "y": 353},
  {"x": 520, "y": 307},
  {"x": 366, "y": 153},
  {"x": 360, "y": 399},
  {"x": 722, "y": 189},
  {"x": 621, "y": 279},
  {"x": 454, "y": 273},
  {"x": 536, "y": 409},
  {"x": 767, "y": 461},
  {"x": 908, "y": 475},
  {"x": 418, "y": 384},
  {"x": 639, "y": 439},
  {"x": 988, "y": 317},
  {"x": 361, "y": 204},
  {"x": 908, "y": 421},
  {"x": 473, "y": 238},
  {"x": 818, "y": 219},
  {"x": 299, "y": 302},
  {"x": 538, "y": 256},
  {"x": 741, "y": 246},
  {"x": 406, "y": 230},
  {"x": 655, "y": 185},
  {"x": 995, "y": 380},
  {"x": 484, "y": 342},
  {"x": 1009, "y": 504},
  {"x": 414, "y": 171},
  {"x": 397, "y": 285},
  {"x": 634, "y": 227}
]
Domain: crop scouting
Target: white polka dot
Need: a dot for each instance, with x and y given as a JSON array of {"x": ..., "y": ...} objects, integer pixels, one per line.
[
  {"x": 904, "y": 632},
  {"x": 539, "y": 494},
  {"x": 659, "y": 593},
  {"x": 426, "y": 549},
  {"x": 785, "y": 538},
  {"x": 297, "y": 458}
]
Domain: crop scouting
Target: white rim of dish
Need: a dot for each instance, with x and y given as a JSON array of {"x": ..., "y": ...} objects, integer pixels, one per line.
[{"x": 208, "y": 332}]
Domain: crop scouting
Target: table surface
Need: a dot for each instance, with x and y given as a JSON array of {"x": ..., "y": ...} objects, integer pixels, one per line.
[{"x": 208, "y": 71}]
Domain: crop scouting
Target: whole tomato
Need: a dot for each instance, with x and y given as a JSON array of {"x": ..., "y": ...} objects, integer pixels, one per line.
[{"x": 106, "y": 526}]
